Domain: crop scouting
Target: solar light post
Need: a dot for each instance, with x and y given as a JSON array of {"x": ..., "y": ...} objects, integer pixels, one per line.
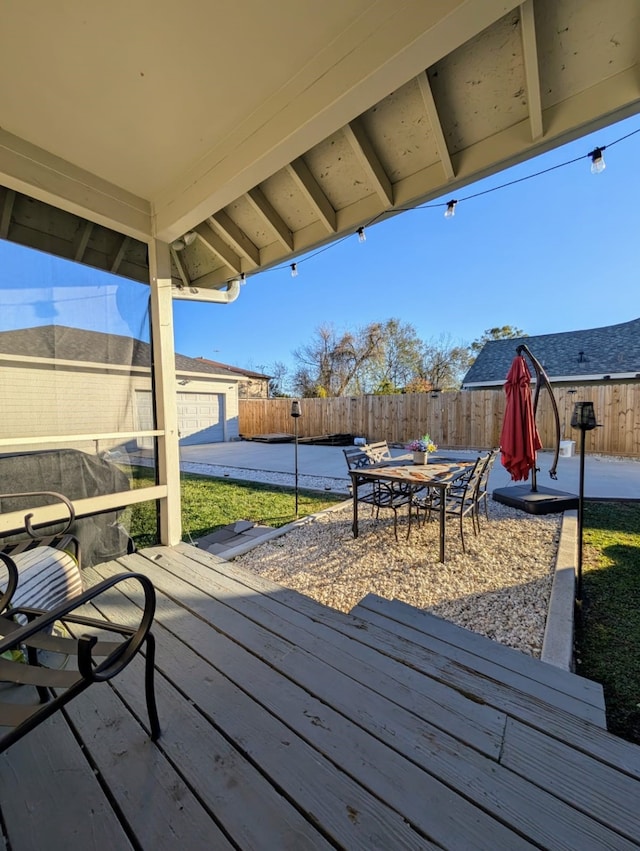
[
  {"x": 296, "y": 413},
  {"x": 584, "y": 418}
]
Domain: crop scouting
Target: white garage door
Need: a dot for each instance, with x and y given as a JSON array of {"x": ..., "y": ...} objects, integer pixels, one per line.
[{"x": 200, "y": 417}]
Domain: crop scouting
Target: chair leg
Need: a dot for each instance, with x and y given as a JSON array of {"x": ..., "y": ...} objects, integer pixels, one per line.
[
  {"x": 462, "y": 534},
  {"x": 149, "y": 688}
]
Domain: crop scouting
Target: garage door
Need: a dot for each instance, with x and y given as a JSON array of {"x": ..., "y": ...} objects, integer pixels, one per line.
[{"x": 200, "y": 417}]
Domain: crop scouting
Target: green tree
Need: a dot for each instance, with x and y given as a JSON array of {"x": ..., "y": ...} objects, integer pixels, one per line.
[
  {"x": 396, "y": 362},
  {"x": 507, "y": 332}
]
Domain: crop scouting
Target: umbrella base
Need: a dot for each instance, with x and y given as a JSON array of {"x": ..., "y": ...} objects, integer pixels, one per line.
[{"x": 541, "y": 501}]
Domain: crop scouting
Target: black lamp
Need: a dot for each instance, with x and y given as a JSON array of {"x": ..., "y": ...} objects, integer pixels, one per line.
[
  {"x": 584, "y": 418},
  {"x": 296, "y": 413}
]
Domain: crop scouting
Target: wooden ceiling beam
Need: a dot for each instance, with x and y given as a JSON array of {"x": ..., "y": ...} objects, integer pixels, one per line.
[
  {"x": 531, "y": 69},
  {"x": 180, "y": 267},
  {"x": 119, "y": 255},
  {"x": 434, "y": 119},
  {"x": 223, "y": 222},
  {"x": 7, "y": 210},
  {"x": 81, "y": 241},
  {"x": 209, "y": 238},
  {"x": 312, "y": 191},
  {"x": 368, "y": 158},
  {"x": 260, "y": 203}
]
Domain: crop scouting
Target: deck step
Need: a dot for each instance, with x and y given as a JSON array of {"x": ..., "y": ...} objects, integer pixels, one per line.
[{"x": 398, "y": 614}]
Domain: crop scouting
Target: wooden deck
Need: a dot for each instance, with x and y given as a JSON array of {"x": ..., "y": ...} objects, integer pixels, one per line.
[{"x": 287, "y": 725}]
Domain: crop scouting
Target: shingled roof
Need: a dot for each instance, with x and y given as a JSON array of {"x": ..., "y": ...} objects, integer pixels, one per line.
[
  {"x": 75, "y": 344},
  {"x": 590, "y": 355}
]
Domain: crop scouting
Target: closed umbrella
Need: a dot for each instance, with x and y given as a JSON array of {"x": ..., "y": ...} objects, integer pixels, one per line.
[{"x": 519, "y": 439}]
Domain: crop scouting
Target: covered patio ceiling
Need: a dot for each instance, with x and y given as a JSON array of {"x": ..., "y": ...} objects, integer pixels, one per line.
[{"x": 264, "y": 130}]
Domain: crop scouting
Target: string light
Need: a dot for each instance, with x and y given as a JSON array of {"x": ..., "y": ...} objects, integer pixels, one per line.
[
  {"x": 597, "y": 166},
  {"x": 243, "y": 279},
  {"x": 294, "y": 270},
  {"x": 597, "y": 161}
]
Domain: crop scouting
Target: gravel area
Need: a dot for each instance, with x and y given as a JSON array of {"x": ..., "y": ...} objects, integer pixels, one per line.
[{"x": 500, "y": 588}]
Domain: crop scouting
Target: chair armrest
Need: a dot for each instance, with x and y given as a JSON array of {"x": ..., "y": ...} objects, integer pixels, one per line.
[
  {"x": 12, "y": 581},
  {"x": 117, "y": 659}
]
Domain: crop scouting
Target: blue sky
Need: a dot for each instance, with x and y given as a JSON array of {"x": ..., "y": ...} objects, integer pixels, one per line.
[{"x": 558, "y": 252}]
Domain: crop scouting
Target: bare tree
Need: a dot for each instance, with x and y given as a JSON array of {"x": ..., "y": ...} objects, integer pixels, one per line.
[
  {"x": 444, "y": 363},
  {"x": 333, "y": 365}
]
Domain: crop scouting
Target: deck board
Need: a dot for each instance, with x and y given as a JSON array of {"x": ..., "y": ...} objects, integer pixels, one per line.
[
  {"x": 574, "y": 685},
  {"x": 285, "y": 725},
  {"x": 374, "y": 746}
]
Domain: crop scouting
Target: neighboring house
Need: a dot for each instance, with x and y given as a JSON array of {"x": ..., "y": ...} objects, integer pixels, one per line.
[
  {"x": 69, "y": 381},
  {"x": 251, "y": 385},
  {"x": 592, "y": 356}
]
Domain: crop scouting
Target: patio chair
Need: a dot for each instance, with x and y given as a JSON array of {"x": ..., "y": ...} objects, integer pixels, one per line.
[
  {"x": 378, "y": 451},
  {"x": 57, "y": 647},
  {"x": 460, "y": 500},
  {"x": 379, "y": 494},
  {"x": 483, "y": 483},
  {"x": 49, "y": 565}
]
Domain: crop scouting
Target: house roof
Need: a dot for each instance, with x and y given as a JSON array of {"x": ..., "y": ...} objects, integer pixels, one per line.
[
  {"x": 75, "y": 344},
  {"x": 246, "y": 373},
  {"x": 592, "y": 354},
  {"x": 266, "y": 130}
]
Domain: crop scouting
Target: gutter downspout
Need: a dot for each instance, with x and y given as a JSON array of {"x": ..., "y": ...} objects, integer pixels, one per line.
[{"x": 192, "y": 293}]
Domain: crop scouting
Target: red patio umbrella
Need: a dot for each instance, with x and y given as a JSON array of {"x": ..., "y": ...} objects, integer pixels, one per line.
[{"x": 519, "y": 439}]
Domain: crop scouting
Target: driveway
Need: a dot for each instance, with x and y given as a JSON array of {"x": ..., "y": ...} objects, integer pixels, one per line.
[{"x": 604, "y": 477}]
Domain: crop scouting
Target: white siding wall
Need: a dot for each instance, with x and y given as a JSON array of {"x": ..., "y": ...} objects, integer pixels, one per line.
[{"x": 39, "y": 401}]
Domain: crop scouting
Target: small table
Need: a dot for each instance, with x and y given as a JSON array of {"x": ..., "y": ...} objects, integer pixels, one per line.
[{"x": 435, "y": 474}]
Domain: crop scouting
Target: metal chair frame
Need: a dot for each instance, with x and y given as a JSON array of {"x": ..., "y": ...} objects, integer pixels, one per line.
[
  {"x": 379, "y": 494},
  {"x": 460, "y": 500},
  {"x": 28, "y": 630}
]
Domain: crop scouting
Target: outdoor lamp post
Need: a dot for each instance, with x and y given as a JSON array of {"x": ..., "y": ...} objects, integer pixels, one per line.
[
  {"x": 584, "y": 418},
  {"x": 296, "y": 413}
]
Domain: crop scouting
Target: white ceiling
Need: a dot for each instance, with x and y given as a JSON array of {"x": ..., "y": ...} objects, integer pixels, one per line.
[{"x": 270, "y": 128}]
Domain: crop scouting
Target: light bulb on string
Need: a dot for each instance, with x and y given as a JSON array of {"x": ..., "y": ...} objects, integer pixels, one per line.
[
  {"x": 597, "y": 161},
  {"x": 294, "y": 270},
  {"x": 362, "y": 237},
  {"x": 450, "y": 212},
  {"x": 243, "y": 279}
]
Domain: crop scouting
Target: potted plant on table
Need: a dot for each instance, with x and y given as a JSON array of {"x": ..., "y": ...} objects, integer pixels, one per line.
[{"x": 422, "y": 447}]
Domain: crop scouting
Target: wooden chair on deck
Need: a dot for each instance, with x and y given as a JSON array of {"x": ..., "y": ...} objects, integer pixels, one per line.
[{"x": 51, "y": 641}]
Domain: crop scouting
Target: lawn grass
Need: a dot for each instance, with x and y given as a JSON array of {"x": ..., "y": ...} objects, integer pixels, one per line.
[
  {"x": 608, "y": 633},
  {"x": 209, "y": 503}
]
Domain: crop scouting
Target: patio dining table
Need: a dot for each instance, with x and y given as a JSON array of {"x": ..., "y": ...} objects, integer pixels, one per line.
[{"x": 436, "y": 474}]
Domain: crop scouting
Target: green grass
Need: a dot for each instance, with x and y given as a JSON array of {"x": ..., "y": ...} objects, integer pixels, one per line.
[
  {"x": 608, "y": 636},
  {"x": 209, "y": 503}
]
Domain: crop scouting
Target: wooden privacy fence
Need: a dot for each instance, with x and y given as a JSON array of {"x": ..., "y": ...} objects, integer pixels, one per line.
[{"x": 469, "y": 418}]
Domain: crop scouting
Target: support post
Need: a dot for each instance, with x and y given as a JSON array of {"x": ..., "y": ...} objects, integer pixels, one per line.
[{"x": 164, "y": 388}]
